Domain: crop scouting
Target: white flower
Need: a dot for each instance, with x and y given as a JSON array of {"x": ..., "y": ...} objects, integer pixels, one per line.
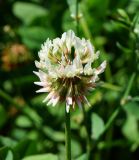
[{"x": 65, "y": 70}]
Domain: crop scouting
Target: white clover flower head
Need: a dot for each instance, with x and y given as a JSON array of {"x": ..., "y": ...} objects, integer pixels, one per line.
[{"x": 65, "y": 70}]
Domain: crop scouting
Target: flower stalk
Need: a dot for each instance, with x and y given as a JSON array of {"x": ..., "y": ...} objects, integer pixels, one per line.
[
  {"x": 88, "y": 139},
  {"x": 67, "y": 135}
]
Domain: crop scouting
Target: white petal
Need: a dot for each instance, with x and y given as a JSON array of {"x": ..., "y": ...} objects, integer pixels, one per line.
[
  {"x": 49, "y": 96},
  {"x": 55, "y": 101},
  {"x": 42, "y": 76},
  {"x": 101, "y": 68},
  {"x": 79, "y": 46},
  {"x": 69, "y": 100},
  {"x": 69, "y": 71},
  {"x": 37, "y": 73},
  {"x": 50, "y": 102},
  {"x": 90, "y": 47},
  {"x": 40, "y": 83},
  {"x": 68, "y": 103},
  {"x": 96, "y": 55},
  {"x": 88, "y": 69},
  {"x": 37, "y": 64},
  {"x": 77, "y": 64},
  {"x": 67, "y": 108},
  {"x": 53, "y": 73},
  {"x": 69, "y": 39},
  {"x": 87, "y": 101},
  {"x": 94, "y": 78},
  {"x": 57, "y": 42},
  {"x": 79, "y": 103},
  {"x": 42, "y": 54},
  {"x": 42, "y": 90}
]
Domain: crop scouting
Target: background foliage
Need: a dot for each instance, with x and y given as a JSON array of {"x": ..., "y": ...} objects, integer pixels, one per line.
[{"x": 30, "y": 130}]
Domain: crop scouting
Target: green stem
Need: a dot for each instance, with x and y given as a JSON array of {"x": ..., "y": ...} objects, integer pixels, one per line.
[
  {"x": 112, "y": 118},
  {"x": 129, "y": 86},
  {"x": 88, "y": 148},
  {"x": 77, "y": 18},
  {"x": 68, "y": 135},
  {"x": 85, "y": 28}
]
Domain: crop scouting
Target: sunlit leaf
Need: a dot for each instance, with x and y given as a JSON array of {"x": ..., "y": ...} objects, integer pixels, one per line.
[
  {"x": 123, "y": 15},
  {"x": 55, "y": 135},
  {"x": 34, "y": 36},
  {"x": 133, "y": 6},
  {"x": 132, "y": 108},
  {"x": 74, "y": 145},
  {"x": 5, "y": 152},
  {"x": 9, "y": 156},
  {"x": 82, "y": 157},
  {"x": 6, "y": 141},
  {"x": 27, "y": 12},
  {"x": 97, "y": 126},
  {"x": 130, "y": 129},
  {"x": 23, "y": 121},
  {"x": 42, "y": 157},
  {"x": 136, "y": 24}
]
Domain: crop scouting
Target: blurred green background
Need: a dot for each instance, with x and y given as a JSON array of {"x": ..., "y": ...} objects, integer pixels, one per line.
[{"x": 27, "y": 126}]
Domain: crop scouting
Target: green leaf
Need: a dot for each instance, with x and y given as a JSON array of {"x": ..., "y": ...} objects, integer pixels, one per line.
[
  {"x": 8, "y": 142},
  {"x": 34, "y": 36},
  {"x": 42, "y": 157},
  {"x": 97, "y": 126},
  {"x": 9, "y": 155},
  {"x": 37, "y": 120},
  {"x": 55, "y": 135},
  {"x": 136, "y": 98},
  {"x": 75, "y": 148},
  {"x": 133, "y": 6},
  {"x": 130, "y": 129},
  {"x": 19, "y": 133},
  {"x": 111, "y": 96},
  {"x": 123, "y": 18},
  {"x": 23, "y": 121},
  {"x": 136, "y": 24},
  {"x": 132, "y": 108},
  {"x": 82, "y": 157},
  {"x": 27, "y": 12},
  {"x": 123, "y": 14}
]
